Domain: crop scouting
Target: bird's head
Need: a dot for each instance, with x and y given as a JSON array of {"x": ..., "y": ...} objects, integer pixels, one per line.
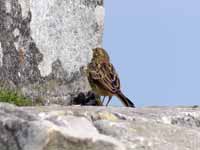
[{"x": 100, "y": 54}]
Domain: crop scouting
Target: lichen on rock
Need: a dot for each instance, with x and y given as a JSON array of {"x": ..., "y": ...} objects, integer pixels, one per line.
[{"x": 45, "y": 41}]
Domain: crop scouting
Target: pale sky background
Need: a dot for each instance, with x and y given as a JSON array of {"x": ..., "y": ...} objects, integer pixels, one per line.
[{"x": 155, "y": 47}]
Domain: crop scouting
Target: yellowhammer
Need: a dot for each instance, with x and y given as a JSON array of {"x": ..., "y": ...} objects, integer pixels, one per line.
[{"x": 103, "y": 78}]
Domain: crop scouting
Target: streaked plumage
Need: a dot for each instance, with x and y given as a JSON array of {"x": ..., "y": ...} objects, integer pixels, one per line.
[{"x": 103, "y": 77}]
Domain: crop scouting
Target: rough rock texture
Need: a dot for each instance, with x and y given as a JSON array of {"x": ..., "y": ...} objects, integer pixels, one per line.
[
  {"x": 99, "y": 128},
  {"x": 44, "y": 43}
]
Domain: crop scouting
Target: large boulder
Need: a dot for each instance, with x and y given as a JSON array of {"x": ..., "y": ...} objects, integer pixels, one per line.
[
  {"x": 99, "y": 128},
  {"x": 43, "y": 45}
]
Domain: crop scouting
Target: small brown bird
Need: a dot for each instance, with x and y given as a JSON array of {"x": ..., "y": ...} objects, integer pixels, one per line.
[{"x": 103, "y": 78}]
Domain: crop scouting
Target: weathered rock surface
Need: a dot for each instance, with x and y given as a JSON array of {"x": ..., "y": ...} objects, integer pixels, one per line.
[
  {"x": 99, "y": 128},
  {"x": 44, "y": 43}
]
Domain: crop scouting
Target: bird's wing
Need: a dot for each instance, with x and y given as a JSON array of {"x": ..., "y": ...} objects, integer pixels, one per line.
[{"x": 106, "y": 76}]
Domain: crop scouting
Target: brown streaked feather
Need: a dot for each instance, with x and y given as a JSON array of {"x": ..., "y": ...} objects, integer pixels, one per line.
[
  {"x": 103, "y": 78},
  {"x": 106, "y": 75}
]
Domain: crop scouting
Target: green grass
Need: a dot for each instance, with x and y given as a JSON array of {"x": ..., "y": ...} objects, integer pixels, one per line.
[{"x": 13, "y": 97}]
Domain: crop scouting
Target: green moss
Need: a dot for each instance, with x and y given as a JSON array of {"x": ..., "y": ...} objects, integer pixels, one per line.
[{"x": 14, "y": 97}]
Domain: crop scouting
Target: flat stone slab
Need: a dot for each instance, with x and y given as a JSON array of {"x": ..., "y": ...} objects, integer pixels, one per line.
[{"x": 97, "y": 128}]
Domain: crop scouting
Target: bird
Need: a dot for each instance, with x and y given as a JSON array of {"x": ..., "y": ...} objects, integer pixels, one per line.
[{"x": 104, "y": 79}]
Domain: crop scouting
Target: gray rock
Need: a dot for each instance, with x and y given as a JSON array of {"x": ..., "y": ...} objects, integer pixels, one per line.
[
  {"x": 97, "y": 128},
  {"x": 23, "y": 129},
  {"x": 43, "y": 45}
]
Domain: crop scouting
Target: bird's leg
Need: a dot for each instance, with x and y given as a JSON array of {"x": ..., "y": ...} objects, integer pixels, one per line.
[
  {"x": 103, "y": 99},
  {"x": 108, "y": 100},
  {"x": 98, "y": 101}
]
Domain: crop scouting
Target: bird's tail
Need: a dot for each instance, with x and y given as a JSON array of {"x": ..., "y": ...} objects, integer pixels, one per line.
[{"x": 124, "y": 100}]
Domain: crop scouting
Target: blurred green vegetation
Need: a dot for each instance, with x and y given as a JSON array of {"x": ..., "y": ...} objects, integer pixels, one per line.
[{"x": 13, "y": 97}]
